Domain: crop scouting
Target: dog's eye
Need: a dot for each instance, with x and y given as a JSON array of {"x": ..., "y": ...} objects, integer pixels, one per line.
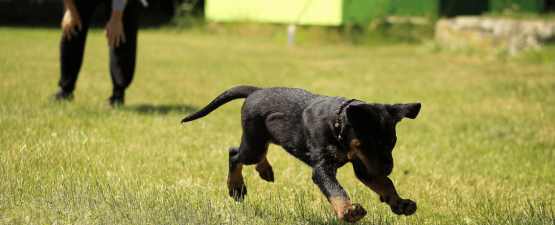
[{"x": 393, "y": 139}]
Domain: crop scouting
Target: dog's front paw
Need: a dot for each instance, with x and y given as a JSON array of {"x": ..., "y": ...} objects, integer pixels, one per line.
[
  {"x": 404, "y": 207},
  {"x": 353, "y": 213}
]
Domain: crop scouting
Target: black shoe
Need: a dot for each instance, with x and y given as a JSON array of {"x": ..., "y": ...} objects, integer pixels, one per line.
[
  {"x": 61, "y": 95},
  {"x": 115, "y": 101}
]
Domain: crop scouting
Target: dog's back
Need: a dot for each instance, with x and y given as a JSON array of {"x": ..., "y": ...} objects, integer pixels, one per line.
[{"x": 289, "y": 101}]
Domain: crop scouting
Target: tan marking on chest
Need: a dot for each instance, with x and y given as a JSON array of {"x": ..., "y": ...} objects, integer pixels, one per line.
[
  {"x": 355, "y": 152},
  {"x": 353, "y": 149}
]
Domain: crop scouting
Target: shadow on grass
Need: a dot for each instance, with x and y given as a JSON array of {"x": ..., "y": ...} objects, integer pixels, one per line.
[{"x": 149, "y": 109}]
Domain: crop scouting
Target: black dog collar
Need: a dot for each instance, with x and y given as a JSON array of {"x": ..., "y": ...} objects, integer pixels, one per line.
[{"x": 337, "y": 124}]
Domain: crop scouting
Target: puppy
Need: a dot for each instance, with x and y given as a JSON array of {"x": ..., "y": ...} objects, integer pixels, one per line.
[{"x": 323, "y": 132}]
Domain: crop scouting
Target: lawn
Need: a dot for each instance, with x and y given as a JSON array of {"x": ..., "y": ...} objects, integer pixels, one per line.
[{"x": 482, "y": 150}]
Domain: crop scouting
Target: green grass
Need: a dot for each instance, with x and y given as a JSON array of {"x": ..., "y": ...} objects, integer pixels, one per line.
[{"x": 482, "y": 150}]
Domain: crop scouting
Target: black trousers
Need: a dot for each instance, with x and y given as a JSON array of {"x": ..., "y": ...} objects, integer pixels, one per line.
[{"x": 122, "y": 58}]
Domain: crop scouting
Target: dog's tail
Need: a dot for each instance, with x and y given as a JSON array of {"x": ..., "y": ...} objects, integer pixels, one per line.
[{"x": 227, "y": 96}]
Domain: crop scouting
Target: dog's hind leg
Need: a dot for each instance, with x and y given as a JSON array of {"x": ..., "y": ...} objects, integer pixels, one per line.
[
  {"x": 274, "y": 127},
  {"x": 235, "y": 182},
  {"x": 252, "y": 150},
  {"x": 264, "y": 168}
]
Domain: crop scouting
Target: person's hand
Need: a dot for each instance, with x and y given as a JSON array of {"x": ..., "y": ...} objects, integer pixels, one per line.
[
  {"x": 114, "y": 33},
  {"x": 70, "y": 22}
]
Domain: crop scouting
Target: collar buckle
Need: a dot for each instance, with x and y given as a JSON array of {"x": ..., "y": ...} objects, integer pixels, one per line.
[{"x": 337, "y": 130}]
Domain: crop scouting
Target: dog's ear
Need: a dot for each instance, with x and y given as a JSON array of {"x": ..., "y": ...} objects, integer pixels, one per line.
[
  {"x": 361, "y": 114},
  {"x": 409, "y": 110}
]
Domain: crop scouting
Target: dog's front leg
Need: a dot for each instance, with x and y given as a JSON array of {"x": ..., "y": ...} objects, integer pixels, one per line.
[
  {"x": 325, "y": 178},
  {"x": 384, "y": 187}
]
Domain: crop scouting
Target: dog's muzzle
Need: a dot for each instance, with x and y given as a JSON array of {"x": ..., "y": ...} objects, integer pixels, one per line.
[{"x": 385, "y": 170}]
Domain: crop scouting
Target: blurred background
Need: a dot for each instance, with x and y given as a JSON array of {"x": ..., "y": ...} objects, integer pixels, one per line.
[{"x": 320, "y": 21}]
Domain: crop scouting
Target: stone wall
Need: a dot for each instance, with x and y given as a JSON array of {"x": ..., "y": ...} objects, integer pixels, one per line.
[{"x": 488, "y": 33}]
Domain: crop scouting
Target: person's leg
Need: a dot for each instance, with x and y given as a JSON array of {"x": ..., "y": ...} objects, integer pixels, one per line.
[
  {"x": 122, "y": 58},
  {"x": 71, "y": 52}
]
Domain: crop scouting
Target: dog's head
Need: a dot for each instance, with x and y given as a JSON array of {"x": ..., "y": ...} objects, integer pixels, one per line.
[{"x": 373, "y": 134}]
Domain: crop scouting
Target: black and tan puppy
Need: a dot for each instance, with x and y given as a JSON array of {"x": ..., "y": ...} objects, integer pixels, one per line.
[{"x": 323, "y": 132}]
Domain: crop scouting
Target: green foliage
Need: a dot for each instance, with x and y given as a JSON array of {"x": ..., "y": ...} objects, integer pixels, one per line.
[
  {"x": 480, "y": 152},
  {"x": 183, "y": 15},
  {"x": 365, "y": 11},
  {"x": 530, "y": 6},
  {"x": 380, "y": 31},
  {"x": 521, "y": 15}
]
